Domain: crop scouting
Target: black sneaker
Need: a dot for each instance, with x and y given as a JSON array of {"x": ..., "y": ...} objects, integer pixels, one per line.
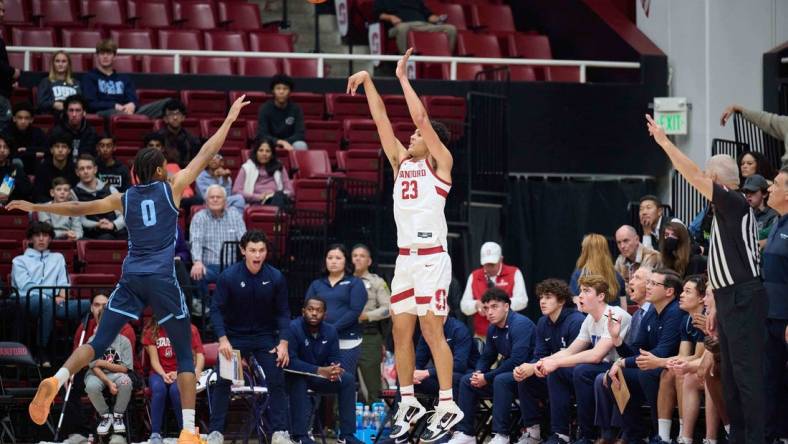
[{"x": 441, "y": 422}]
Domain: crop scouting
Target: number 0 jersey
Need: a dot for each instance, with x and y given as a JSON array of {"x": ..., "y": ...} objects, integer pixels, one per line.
[
  {"x": 419, "y": 199},
  {"x": 152, "y": 222}
]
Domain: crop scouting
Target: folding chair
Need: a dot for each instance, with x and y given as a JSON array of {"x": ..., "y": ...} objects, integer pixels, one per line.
[{"x": 254, "y": 394}]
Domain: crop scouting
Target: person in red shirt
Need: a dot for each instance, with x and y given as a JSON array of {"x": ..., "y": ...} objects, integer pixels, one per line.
[
  {"x": 163, "y": 374},
  {"x": 492, "y": 273}
]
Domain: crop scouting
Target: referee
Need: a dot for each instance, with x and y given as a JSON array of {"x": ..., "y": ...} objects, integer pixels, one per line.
[
  {"x": 734, "y": 274},
  {"x": 775, "y": 279}
]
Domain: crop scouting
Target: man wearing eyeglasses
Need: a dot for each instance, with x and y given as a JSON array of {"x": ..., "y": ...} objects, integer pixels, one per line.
[
  {"x": 492, "y": 274},
  {"x": 642, "y": 363}
]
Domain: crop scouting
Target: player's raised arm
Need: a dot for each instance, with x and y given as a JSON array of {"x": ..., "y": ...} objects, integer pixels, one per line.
[
  {"x": 394, "y": 150},
  {"x": 72, "y": 208},
  {"x": 437, "y": 149},
  {"x": 186, "y": 176}
]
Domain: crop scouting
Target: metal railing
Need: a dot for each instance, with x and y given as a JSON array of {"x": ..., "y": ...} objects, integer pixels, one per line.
[{"x": 583, "y": 65}]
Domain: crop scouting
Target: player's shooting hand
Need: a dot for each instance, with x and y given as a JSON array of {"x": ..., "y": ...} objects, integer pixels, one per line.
[
  {"x": 22, "y": 205},
  {"x": 235, "y": 110},
  {"x": 402, "y": 65},
  {"x": 656, "y": 131},
  {"x": 356, "y": 80}
]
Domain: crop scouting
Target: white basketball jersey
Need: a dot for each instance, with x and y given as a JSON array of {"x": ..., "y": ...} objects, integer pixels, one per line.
[{"x": 419, "y": 198}]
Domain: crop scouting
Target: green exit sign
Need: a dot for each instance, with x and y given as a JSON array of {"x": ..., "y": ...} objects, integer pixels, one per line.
[{"x": 671, "y": 114}]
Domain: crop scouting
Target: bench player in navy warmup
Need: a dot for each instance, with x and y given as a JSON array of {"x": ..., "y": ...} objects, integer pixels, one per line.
[{"x": 148, "y": 277}]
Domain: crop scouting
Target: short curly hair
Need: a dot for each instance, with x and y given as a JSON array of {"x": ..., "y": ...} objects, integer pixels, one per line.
[
  {"x": 556, "y": 287},
  {"x": 442, "y": 131}
]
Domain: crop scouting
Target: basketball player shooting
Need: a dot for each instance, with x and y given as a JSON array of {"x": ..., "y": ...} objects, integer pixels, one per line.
[
  {"x": 148, "y": 273},
  {"x": 422, "y": 180}
]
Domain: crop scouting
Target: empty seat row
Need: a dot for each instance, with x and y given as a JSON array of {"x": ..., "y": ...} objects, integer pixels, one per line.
[{"x": 191, "y": 14}]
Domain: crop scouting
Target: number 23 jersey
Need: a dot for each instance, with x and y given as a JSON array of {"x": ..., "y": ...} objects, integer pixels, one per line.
[
  {"x": 152, "y": 222},
  {"x": 419, "y": 199}
]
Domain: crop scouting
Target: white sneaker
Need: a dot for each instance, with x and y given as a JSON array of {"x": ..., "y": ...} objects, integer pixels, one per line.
[
  {"x": 105, "y": 424},
  {"x": 410, "y": 410},
  {"x": 206, "y": 377},
  {"x": 118, "y": 426},
  {"x": 499, "y": 439},
  {"x": 461, "y": 438},
  {"x": 215, "y": 437},
  {"x": 281, "y": 437},
  {"x": 446, "y": 416}
]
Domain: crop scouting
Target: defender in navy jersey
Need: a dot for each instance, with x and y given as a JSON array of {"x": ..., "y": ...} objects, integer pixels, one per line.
[{"x": 148, "y": 278}]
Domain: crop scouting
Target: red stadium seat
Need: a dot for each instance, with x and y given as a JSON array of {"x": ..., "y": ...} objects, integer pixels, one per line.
[
  {"x": 465, "y": 71},
  {"x": 104, "y": 12},
  {"x": 17, "y": 12},
  {"x": 93, "y": 279},
  {"x": 211, "y": 353},
  {"x": 521, "y": 73},
  {"x": 433, "y": 44},
  {"x": 445, "y": 107},
  {"x": 272, "y": 223},
  {"x": 196, "y": 14},
  {"x": 341, "y": 161},
  {"x": 68, "y": 248},
  {"x": 204, "y": 103},
  {"x": 224, "y": 41},
  {"x": 313, "y": 194},
  {"x": 300, "y": 67},
  {"x": 529, "y": 46},
  {"x": 34, "y": 36},
  {"x": 342, "y": 106},
  {"x": 55, "y": 13},
  {"x": 161, "y": 64},
  {"x": 248, "y": 66},
  {"x": 222, "y": 66},
  {"x": 270, "y": 42},
  {"x": 152, "y": 95},
  {"x": 180, "y": 39},
  {"x": 17, "y": 59},
  {"x": 324, "y": 135},
  {"x": 80, "y": 38},
  {"x": 403, "y": 131},
  {"x": 455, "y": 15},
  {"x": 21, "y": 95},
  {"x": 286, "y": 157},
  {"x": 361, "y": 134},
  {"x": 9, "y": 249},
  {"x": 150, "y": 13},
  {"x": 13, "y": 224},
  {"x": 364, "y": 165},
  {"x": 313, "y": 105},
  {"x": 45, "y": 122},
  {"x": 569, "y": 74},
  {"x": 79, "y": 63},
  {"x": 493, "y": 18},
  {"x": 251, "y": 130},
  {"x": 313, "y": 164},
  {"x": 133, "y": 38},
  {"x": 396, "y": 107},
  {"x": 130, "y": 129},
  {"x": 470, "y": 44},
  {"x": 239, "y": 16},
  {"x": 236, "y": 136},
  {"x": 104, "y": 257},
  {"x": 256, "y": 97}
]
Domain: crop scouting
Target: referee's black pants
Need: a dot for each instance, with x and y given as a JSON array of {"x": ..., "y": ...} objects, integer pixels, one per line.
[{"x": 741, "y": 316}]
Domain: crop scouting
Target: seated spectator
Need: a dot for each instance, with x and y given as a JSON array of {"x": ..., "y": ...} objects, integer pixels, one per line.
[
  {"x": 642, "y": 364},
  {"x": 411, "y": 15},
  {"x": 216, "y": 174},
  {"x": 26, "y": 141},
  {"x": 210, "y": 228},
  {"x": 700, "y": 229},
  {"x": 176, "y": 137},
  {"x": 375, "y": 312},
  {"x": 39, "y": 267},
  {"x": 14, "y": 184},
  {"x": 111, "y": 371},
  {"x": 492, "y": 273},
  {"x": 632, "y": 254},
  {"x": 263, "y": 180},
  {"x": 281, "y": 121},
  {"x": 345, "y": 297},
  {"x": 162, "y": 378},
  {"x": 155, "y": 140},
  {"x": 75, "y": 424},
  {"x": 109, "y": 169},
  {"x": 595, "y": 259},
  {"x": 752, "y": 163},
  {"x": 510, "y": 335},
  {"x": 109, "y": 92},
  {"x": 57, "y": 164},
  {"x": 756, "y": 188},
  {"x": 74, "y": 123},
  {"x": 772, "y": 124},
  {"x": 556, "y": 329},
  {"x": 106, "y": 226},
  {"x": 651, "y": 221},
  {"x": 66, "y": 227},
  {"x": 573, "y": 369},
  {"x": 314, "y": 348},
  {"x": 463, "y": 351},
  {"x": 675, "y": 250},
  {"x": 60, "y": 84}
]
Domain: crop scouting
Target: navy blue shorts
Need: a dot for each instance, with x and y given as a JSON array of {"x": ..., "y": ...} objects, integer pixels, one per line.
[{"x": 136, "y": 291}]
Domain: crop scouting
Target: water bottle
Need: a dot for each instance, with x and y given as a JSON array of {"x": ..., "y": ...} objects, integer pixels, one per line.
[
  {"x": 359, "y": 416},
  {"x": 367, "y": 417},
  {"x": 8, "y": 183}
]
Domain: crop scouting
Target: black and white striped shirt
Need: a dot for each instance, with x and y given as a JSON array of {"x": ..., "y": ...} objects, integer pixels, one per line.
[{"x": 734, "y": 256}]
